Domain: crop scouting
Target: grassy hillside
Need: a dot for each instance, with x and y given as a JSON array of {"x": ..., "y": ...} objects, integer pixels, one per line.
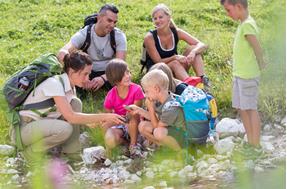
[{"x": 32, "y": 27}]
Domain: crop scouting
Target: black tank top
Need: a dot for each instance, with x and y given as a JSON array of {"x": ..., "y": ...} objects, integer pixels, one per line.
[{"x": 162, "y": 52}]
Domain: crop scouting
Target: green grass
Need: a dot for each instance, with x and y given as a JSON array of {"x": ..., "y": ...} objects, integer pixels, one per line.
[{"x": 34, "y": 27}]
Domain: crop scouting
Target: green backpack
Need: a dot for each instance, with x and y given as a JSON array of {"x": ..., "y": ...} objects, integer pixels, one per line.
[{"x": 17, "y": 88}]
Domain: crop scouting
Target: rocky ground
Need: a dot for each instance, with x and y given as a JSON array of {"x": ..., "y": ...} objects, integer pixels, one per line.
[{"x": 96, "y": 171}]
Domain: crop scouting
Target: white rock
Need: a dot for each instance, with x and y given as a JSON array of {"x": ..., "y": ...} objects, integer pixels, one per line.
[
  {"x": 267, "y": 146},
  {"x": 163, "y": 183},
  {"x": 267, "y": 128},
  {"x": 283, "y": 121},
  {"x": 6, "y": 150},
  {"x": 16, "y": 178},
  {"x": 135, "y": 178},
  {"x": 258, "y": 169},
  {"x": 202, "y": 165},
  {"x": 181, "y": 173},
  {"x": 124, "y": 174},
  {"x": 224, "y": 145},
  {"x": 107, "y": 162},
  {"x": 172, "y": 174},
  {"x": 212, "y": 160},
  {"x": 11, "y": 171},
  {"x": 229, "y": 127},
  {"x": 93, "y": 154},
  {"x": 266, "y": 138},
  {"x": 149, "y": 187},
  {"x": 149, "y": 174},
  {"x": 188, "y": 168},
  {"x": 129, "y": 181}
]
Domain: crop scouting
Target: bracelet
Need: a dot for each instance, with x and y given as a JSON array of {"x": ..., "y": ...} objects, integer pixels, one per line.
[{"x": 103, "y": 78}]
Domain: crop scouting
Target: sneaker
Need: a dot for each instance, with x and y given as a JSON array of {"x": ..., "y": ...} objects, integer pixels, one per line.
[
  {"x": 205, "y": 81},
  {"x": 135, "y": 151},
  {"x": 150, "y": 146}
]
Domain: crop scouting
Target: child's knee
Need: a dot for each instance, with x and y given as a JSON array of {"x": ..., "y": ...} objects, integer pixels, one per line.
[
  {"x": 110, "y": 139},
  {"x": 143, "y": 126},
  {"x": 160, "y": 133}
]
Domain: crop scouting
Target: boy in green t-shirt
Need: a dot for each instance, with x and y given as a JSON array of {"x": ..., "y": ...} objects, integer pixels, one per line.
[{"x": 247, "y": 63}]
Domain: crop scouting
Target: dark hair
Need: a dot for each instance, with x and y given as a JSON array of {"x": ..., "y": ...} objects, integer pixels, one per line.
[
  {"x": 76, "y": 60},
  {"x": 244, "y": 3},
  {"x": 115, "y": 70},
  {"x": 109, "y": 7}
]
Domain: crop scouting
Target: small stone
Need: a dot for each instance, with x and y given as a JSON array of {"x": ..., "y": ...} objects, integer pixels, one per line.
[
  {"x": 107, "y": 162},
  {"x": 149, "y": 174},
  {"x": 212, "y": 160},
  {"x": 163, "y": 183},
  {"x": 258, "y": 169},
  {"x": 149, "y": 187},
  {"x": 135, "y": 178},
  {"x": 283, "y": 122},
  {"x": 6, "y": 150}
]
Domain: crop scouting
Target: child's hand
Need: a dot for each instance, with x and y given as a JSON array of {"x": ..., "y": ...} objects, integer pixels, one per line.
[
  {"x": 149, "y": 104},
  {"x": 133, "y": 109},
  {"x": 263, "y": 65},
  {"x": 190, "y": 57},
  {"x": 181, "y": 59}
]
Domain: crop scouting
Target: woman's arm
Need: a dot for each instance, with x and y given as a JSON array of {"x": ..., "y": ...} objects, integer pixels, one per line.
[
  {"x": 82, "y": 118},
  {"x": 199, "y": 47}
]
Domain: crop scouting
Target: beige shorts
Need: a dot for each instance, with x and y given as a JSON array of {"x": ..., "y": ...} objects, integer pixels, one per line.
[{"x": 245, "y": 93}]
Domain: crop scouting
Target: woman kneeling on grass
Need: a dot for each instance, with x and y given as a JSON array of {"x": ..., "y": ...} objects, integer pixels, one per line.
[{"x": 60, "y": 127}]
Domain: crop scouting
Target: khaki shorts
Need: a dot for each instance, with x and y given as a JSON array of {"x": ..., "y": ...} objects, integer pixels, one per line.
[{"x": 245, "y": 93}]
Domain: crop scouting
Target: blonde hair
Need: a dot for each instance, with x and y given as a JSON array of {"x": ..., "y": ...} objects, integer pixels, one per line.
[
  {"x": 162, "y": 66},
  {"x": 166, "y": 10},
  {"x": 155, "y": 78}
]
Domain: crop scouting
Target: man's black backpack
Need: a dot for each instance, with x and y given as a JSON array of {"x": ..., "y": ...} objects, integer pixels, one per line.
[{"x": 89, "y": 21}]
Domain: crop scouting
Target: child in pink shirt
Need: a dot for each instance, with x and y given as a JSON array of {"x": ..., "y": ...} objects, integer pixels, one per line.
[{"x": 123, "y": 94}]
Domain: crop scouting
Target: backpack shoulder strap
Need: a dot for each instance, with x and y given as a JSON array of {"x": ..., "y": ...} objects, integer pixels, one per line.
[
  {"x": 113, "y": 41},
  {"x": 87, "y": 42},
  {"x": 175, "y": 34},
  {"x": 154, "y": 34},
  {"x": 43, "y": 104}
]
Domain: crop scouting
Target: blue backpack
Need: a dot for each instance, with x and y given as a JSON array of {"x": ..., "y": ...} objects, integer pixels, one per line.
[{"x": 198, "y": 115}]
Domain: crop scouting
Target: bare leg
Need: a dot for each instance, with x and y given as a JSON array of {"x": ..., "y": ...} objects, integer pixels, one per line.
[
  {"x": 113, "y": 137},
  {"x": 197, "y": 64},
  {"x": 161, "y": 134},
  {"x": 133, "y": 129},
  {"x": 247, "y": 124},
  {"x": 178, "y": 70},
  {"x": 256, "y": 127},
  {"x": 146, "y": 129}
]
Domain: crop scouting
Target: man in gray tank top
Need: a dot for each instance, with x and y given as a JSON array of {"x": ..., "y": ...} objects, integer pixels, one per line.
[{"x": 100, "y": 49}]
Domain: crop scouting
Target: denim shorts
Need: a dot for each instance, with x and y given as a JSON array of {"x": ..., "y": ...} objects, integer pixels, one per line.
[{"x": 245, "y": 93}]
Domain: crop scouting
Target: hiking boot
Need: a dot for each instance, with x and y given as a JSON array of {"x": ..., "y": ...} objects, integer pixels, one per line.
[
  {"x": 135, "y": 151},
  {"x": 150, "y": 146},
  {"x": 206, "y": 82}
]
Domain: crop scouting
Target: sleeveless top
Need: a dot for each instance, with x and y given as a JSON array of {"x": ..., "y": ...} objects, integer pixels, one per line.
[{"x": 163, "y": 53}]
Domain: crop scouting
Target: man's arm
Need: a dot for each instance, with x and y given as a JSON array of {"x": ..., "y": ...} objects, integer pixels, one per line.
[
  {"x": 121, "y": 54},
  {"x": 68, "y": 48}
]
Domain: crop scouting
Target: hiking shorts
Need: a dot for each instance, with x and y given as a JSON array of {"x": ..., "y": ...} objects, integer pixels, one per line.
[{"x": 245, "y": 93}]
